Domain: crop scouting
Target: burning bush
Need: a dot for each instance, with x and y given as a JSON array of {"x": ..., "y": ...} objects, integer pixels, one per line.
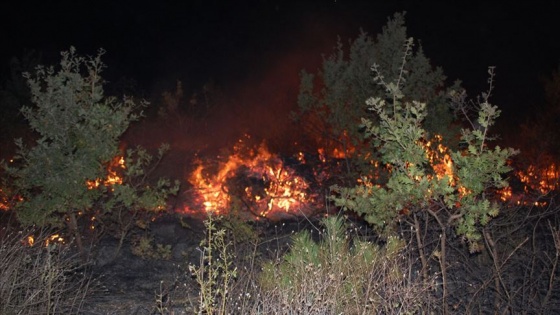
[
  {"x": 449, "y": 188},
  {"x": 331, "y": 102},
  {"x": 68, "y": 171}
]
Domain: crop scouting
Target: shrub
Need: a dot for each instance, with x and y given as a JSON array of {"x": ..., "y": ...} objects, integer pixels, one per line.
[
  {"x": 341, "y": 275},
  {"x": 145, "y": 248},
  {"x": 331, "y": 102},
  {"x": 215, "y": 272},
  {"x": 63, "y": 175},
  {"x": 452, "y": 188}
]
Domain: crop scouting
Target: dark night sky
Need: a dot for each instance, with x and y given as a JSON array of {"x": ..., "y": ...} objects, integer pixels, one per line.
[{"x": 235, "y": 42}]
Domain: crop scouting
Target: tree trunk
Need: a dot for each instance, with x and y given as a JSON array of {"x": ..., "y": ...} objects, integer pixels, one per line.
[{"x": 73, "y": 227}]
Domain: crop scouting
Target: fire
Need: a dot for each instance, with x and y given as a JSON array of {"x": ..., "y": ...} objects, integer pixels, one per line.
[
  {"x": 4, "y": 202},
  {"x": 54, "y": 238},
  {"x": 113, "y": 178},
  {"x": 440, "y": 159},
  {"x": 505, "y": 194},
  {"x": 253, "y": 179},
  {"x": 537, "y": 182},
  {"x": 339, "y": 149},
  {"x": 543, "y": 180}
]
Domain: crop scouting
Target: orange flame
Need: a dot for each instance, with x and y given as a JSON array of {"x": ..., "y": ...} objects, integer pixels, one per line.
[
  {"x": 440, "y": 159},
  {"x": 113, "y": 178},
  {"x": 54, "y": 238},
  {"x": 255, "y": 179},
  {"x": 543, "y": 180}
]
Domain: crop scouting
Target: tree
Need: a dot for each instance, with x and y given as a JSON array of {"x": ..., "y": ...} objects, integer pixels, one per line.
[
  {"x": 78, "y": 131},
  {"x": 331, "y": 102}
]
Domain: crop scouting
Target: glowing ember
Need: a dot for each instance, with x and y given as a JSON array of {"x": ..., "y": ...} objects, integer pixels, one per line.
[
  {"x": 249, "y": 179},
  {"x": 543, "y": 180},
  {"x": 505, "y": 194},
  {"x": 537, "y": 183},
  {"x": 7, "y": 201},
  {"x": 4, "y": 201}
]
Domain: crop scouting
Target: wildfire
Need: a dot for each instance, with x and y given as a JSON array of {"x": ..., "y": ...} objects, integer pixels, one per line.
[
  {"x": 252, "y": 179},
  {"x": 54, "y": 238},
  {"x": 113, "y": 177},
  {"x": 4, "y": 202},
  {"x": 539, "y": 180},
  {"x": 543, "y": 180},
  {"x": 440, "y": 159}
]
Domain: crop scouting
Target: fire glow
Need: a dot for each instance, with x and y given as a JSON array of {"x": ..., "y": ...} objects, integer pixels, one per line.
[
  {"x": 252, "y": 179},
  {"x": 440, "y": 159},
  {"x": 544, "y": 180},
  {"x": 51, "y": 239},
  {"x": 537, "y": 183},
  {"x": 113, "y": 178}
]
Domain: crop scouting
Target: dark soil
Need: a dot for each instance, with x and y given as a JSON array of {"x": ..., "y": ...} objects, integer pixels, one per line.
[{"x": 129, "y": 284}]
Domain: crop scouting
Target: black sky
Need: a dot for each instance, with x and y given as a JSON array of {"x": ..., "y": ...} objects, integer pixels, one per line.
[{"x": 234, "y": 42}]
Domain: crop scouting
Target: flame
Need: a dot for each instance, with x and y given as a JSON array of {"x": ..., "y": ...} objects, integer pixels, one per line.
[
  {"x": 116, "y": 165},
  {"x": 340, "y": 148},
  {"x": 440, "y": 159},
  {"x": 539, "y": 180},
  {"x": 505, "y": 194},
  {"x": 4, "y": 201},
  {"x": 7, "y": 202},
  {"x": 54, "y": 238},
  {"x": 254, "y": 179},
  {"x": 543, "y": 180},
  {"x": 30, "y": 240}
]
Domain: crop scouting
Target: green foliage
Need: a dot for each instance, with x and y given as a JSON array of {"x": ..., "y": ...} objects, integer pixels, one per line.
[
  {"x": 135, "y": 201},
  {"x": 239, "y": 230},
  {"x": 331, "y": 102},
  {"x": 337, "y": 276},
  {"x": 78, "y": 131},
  {"x": 457, "y": 198}
]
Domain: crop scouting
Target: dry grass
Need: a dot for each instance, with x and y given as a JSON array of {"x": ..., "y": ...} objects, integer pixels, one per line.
[
  {"x": 39, "y": 279},
  {"x": 339, "y": 274}
]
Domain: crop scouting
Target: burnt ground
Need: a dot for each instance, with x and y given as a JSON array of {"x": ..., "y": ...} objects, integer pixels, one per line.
[{"x": 129, "y": 284}]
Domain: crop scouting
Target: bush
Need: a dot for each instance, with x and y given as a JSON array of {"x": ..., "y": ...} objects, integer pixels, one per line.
[
  {"x": 66, "y": 173},
  {"x": 342, "y": 275},
  {"x": 215, "y": 273},
  {"x": 331, "y": 102},
  {"x": 450, "y": 189}
]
